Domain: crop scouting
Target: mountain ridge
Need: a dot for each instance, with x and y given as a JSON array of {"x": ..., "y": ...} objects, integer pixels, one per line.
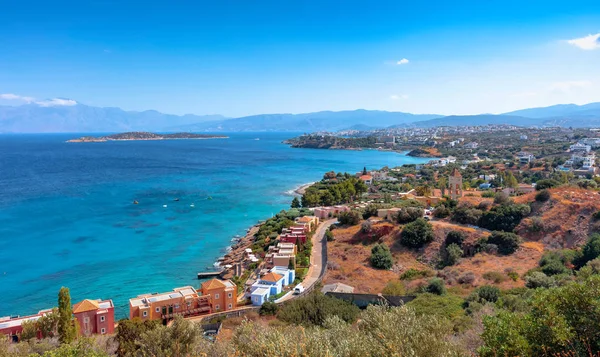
[{"x": 80, "y": 118}]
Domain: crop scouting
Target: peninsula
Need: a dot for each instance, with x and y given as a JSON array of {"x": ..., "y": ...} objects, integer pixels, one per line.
[{"x": 141, "y": 135}]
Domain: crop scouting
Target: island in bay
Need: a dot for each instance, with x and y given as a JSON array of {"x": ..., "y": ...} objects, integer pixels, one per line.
[{"x": 141, "y": 135}]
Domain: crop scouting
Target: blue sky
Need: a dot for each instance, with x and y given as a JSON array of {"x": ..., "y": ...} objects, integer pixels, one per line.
[{"x": 248, "y": 57}]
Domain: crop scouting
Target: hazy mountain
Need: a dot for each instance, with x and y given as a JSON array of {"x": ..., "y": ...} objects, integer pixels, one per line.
[
  {"x": 560, "y": 110},
  {"x": 33, "y": 118},
  {"x": 37, "y": 118},
  {"x": 309, "y": 122},
  {"x": 481, "y": 119}
]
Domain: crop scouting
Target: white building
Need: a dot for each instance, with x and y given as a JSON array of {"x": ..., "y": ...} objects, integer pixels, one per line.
[
  {"x": 580, "y": 147},
  {"x": 593, "y": 142}
]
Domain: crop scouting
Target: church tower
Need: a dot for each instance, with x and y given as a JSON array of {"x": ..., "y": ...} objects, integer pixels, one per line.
[{"x": 456, "y": 184}]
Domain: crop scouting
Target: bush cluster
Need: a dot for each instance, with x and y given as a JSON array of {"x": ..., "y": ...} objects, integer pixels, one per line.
[{"x": 417, "y": 233}]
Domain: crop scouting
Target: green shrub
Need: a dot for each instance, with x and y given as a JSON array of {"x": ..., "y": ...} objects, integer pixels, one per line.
[
  {"x": 495, "y": 276},
  {"x": 412, "y": 274},
  {"x": 315, "y": 308},
  {"x": 447, "y": 306},
  {"x": 590, "y": 251},
  {"x": 381, "y": 257},
  {"x": 543, "y": 195},
  {"x": 268, "y": 308},
  {"x": 466, "y": 215},
  {"x": 507, "y": 243},
  {"x": 502, "y": 198},
  {"x": 417, "y": 233},
  {"x": 561, "y": 321},
  {"x": 436, "y": 286},
  {"x": 504, "y": 218},
  {"x": 453, "y": 254},
  {"x": 441, "y": 211},
  {"x": 488, "y": 194},
  {"x": 538, "y": 279},
  {"x": 513, "y": 275},
  {"x": 409, "y": 214},
  {"x": 454, "y": 237},
  {"x": 394, "y": 288},
  {"x": 555, "y": 267},
  {"x": 350, "y": 218},
  {"x": 329, "y": 235},
  {"x": 546, "y": 184},
  {"x": 483, "y": 294}
]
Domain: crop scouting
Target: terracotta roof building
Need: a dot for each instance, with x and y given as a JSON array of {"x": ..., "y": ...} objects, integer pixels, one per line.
[{"x": 95, "y": 317}]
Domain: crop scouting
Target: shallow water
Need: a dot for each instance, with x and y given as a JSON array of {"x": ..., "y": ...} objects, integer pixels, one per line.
[{"x": 67, "y": 216}]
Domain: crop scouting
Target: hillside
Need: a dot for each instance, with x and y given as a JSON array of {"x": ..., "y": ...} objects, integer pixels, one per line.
[{"x": 564, "y": 221}]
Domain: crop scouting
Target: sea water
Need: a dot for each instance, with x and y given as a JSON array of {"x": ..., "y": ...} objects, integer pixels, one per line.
[{"x": 68, "y": 218}]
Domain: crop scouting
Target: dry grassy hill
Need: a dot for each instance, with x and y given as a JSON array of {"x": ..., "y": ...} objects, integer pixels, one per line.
[{"x": 564, "y": 221}]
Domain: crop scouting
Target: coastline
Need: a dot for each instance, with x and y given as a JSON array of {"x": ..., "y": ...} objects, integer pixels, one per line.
[
  {"x": 300, "y": 190},
  {"x": 147, "y": 139},
  {"x": 236, "y": 253}
]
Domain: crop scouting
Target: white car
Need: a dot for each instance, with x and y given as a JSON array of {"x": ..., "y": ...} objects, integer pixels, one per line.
[{"x": 299, "y": 289}]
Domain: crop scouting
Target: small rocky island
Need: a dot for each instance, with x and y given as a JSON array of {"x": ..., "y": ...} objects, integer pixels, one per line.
[{"x": 141, "y": 135}]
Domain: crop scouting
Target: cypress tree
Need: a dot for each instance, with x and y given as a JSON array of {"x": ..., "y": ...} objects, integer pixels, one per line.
[{"x": 66, "y": 329}]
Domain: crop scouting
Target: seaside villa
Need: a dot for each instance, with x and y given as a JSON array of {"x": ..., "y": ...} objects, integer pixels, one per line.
[
  {"x": 216, "y": 295},
  {"x": 95, "y": 317},
  {"x": 271, "y": 284},
  {"x": 12, "y": 326}
]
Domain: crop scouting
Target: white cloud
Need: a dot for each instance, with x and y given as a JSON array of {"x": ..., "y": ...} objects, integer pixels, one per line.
[
  {"x": 11, "y": 96},
  {"x": 56, "y": 102},
  {"x": 402, "y": 61},
  {"x": 567, "y": 86},
  {"x": 397, "y": 97},
  {"x": 589, "y": 42}
]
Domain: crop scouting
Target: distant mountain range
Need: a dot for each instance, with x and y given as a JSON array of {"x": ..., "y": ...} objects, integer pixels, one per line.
[
  {"x": 33, "y": 118},
  {"x": 79, "y": 118}
]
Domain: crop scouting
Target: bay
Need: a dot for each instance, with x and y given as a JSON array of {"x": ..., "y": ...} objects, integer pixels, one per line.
[{"x": 67, "y": 216}]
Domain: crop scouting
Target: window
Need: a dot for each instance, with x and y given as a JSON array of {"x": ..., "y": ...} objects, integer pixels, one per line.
[
  {"x": 216, "y": 296},
  {"x": 102, "y": 318},
  {"x": 230, "y": 306},
  {"x": 229, "y": 295},
  {"x": 177, "y": 306},
  {"x": 189, "y": 303},
  {"x": 157, "y": 309},
  {"x": 103, "y": 331},
  {"x": 145, "y": 313},
  {"x": 217, "y": 307}
]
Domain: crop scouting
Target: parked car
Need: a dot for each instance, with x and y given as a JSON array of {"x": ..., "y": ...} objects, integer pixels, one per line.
[{"x": 299, "y": 289}]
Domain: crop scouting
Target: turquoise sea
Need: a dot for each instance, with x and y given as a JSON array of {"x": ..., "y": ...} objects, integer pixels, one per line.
[{"x": 67, "y": 217}]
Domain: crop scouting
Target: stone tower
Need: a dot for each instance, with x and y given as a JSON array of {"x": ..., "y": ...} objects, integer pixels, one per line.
[{"x": 456, "y": 184}]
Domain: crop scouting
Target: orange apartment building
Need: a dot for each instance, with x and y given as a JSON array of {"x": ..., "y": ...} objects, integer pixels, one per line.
[
  {"x": 222, "y": 294},
  {"x": 95, "y": 317},
  {"x": 216, "y": 295}
]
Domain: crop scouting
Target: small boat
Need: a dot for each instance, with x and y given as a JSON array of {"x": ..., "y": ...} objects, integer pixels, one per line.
[
  {"x": 176, "y": 200},
  {"x": 257, "y": 139},
  {"x": 209, "y": 198},
  {"x": 135, "y": 202},
  {"x": 164, "y": 206},
  {"x": 192, "y": 205}
]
